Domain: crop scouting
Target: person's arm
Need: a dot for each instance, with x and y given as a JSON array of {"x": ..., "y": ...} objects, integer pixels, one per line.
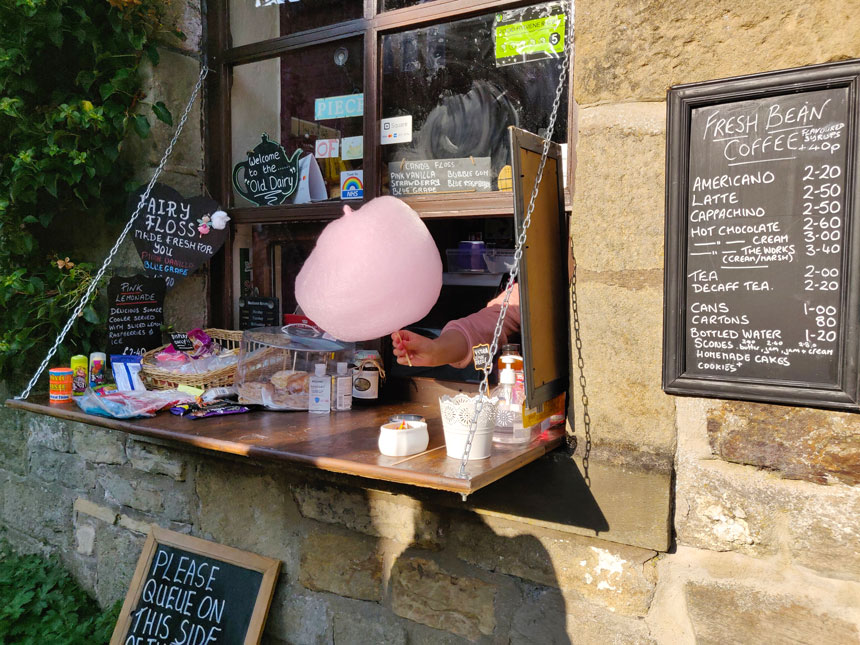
[
  {"x": 450, "y": 347},
  {"x": 454, "y": 345},
  {"x": 479, "y": 327}
]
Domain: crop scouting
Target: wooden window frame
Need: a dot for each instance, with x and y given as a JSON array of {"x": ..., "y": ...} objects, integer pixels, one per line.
[{"x": 222, "y": 57}]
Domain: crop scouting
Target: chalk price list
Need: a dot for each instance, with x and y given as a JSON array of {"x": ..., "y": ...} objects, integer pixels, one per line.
[{"x": 765, "y": 238}]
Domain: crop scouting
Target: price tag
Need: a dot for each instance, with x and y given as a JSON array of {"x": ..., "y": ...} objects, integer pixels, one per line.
[
  {"x": 181, "y": 342},
  {"x": 481, "y": 356}
]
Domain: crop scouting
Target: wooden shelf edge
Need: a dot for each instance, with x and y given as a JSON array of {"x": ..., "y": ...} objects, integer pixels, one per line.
[{"x": 394, "y": 473}]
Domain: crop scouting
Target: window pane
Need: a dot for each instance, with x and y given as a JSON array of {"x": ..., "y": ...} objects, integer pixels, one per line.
[
  {"x": 463, "y": 83},
  {"x": 254, "y": 20},
  {"x": 310, "y": 102},
  {"x": 387, "y": 5}
]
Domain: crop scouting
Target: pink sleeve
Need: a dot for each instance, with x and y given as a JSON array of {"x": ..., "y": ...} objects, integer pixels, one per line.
[{"x": 479, "y": 327}]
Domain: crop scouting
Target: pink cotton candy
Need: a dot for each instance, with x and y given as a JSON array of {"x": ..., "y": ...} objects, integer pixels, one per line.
[{"x": 372, "y": 272}]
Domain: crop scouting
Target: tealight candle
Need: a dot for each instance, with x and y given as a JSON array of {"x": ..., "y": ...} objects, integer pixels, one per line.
[{"x": 402, "y": 438}]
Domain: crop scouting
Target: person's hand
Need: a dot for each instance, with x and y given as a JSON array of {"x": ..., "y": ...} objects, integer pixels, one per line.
[
  {"x": 450, "y": 347},
  {"x": 421, "y": 349}
]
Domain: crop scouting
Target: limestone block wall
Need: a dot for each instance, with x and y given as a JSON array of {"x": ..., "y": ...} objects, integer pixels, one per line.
[
  {"x": 766, "y": 498},
  {"x": 361, "y": 564}
]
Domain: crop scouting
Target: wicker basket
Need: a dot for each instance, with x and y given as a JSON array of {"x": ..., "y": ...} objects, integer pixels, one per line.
[{"x": 157, "y": 378}]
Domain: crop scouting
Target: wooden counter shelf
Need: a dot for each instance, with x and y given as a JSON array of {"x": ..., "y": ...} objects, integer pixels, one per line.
[{"x": 342, "y": 442}]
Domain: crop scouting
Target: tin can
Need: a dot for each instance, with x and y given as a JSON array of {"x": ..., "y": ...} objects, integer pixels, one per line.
[
  {"x": 97, "y": 369},
  {"x": 79, "y": 365},
  {"x": 60, "y": 379}
]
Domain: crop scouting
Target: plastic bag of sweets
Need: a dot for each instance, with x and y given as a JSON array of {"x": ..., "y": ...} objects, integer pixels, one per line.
[{"x": 131, "y": 404}]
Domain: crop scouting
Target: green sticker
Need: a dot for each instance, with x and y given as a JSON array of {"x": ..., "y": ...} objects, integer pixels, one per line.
[{"x": 529, "y": 40}]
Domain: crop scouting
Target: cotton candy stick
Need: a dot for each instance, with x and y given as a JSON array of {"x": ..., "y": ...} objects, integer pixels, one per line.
[{"x": 400, "y": 338}]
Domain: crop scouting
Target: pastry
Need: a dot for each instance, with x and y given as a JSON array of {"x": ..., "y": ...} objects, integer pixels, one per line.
[
  {"x": 293, "y": 382},
  {"x": 252, "y": 392}
]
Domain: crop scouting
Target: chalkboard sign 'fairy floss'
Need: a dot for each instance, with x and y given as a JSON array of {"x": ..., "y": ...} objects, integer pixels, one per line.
[
  {"x": 188, "y": 591},
  {"x": 174, "y": 235},
  {"x": 762, "y": 285},
  {"x": 269, "y": 176}
]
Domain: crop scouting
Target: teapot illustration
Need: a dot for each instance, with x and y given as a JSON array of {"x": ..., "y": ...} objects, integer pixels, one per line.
[{"x": 270, "y": 176}]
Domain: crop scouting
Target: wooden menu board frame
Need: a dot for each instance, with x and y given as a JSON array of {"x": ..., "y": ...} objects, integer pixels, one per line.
[
  {"x": 682, "y": 100},
  {"x": 268, "y": 567},
  {"x": 544, "y": 297}
]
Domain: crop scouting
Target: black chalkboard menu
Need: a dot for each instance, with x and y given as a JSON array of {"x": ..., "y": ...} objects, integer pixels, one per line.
[
  {"x": 761, "y": 264},
  {"x": 188, "y": 590},
  {"x": 259, "y": 312},
  {"x": 135, "y": 314}
]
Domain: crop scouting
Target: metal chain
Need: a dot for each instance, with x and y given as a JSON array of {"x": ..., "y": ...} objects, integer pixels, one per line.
[
  {"x": 95, "y": 281},
  {"x": 580, "y": 362},
  {"x": 483, "y": 389}
]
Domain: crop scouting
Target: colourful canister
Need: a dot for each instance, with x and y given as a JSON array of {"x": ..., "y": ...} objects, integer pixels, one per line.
[
  {"x": 97, "y": 369},
  {"x": 80, "y": 378},
  {"x": 60, "y": 379}
]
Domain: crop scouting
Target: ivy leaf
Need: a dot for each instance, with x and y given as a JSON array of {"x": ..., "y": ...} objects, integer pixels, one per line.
[
  {"x": 162, "y": 113},
  {"x": 51, "y": 183},
  {"x": 152, "y": 52},
  {"x": 141, "y": 126},
  {"x": 106, "y": 90},
  {"x": 90, "y": 315}
]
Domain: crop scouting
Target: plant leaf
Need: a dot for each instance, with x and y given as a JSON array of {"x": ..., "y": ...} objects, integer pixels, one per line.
[
  {"x": 141, "y": 126},
  {"x": 162, "y": 113}
]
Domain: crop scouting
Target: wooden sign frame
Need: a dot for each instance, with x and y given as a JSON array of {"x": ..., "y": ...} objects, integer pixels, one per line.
[
  {"x": 268, "y": 567},
  {"x": 544, "y": 295},
  {"x": 682, "y": 100}
]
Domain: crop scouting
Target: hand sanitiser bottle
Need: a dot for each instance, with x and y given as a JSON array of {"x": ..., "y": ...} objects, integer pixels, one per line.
[
  {"x": 509, "y": 411},
  {"x": 341, "y": 396},
  {"x": 320, "y": 390}
]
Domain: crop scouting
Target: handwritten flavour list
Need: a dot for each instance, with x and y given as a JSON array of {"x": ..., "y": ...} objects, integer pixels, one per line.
[
  {"x": 765, "y": 235},
  {"x": 764, "y": 292}
]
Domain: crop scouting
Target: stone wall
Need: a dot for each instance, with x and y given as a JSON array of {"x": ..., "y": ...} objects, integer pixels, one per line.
[{"x": 764, "y": 500}]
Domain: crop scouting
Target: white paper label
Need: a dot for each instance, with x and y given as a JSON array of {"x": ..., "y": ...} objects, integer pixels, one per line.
[
  {"x": 326, "y": 148},
  {"x": 352, "y": 148},
  {"x": 397, "y": 129}
]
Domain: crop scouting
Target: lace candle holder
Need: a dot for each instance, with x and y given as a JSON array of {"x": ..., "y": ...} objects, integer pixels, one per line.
[{"x": 457, "y": 414}]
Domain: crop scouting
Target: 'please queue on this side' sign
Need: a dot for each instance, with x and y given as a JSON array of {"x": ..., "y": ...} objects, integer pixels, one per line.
[
  {"x": 188, "y": 591},
  {"x": 762, "y": 286}
]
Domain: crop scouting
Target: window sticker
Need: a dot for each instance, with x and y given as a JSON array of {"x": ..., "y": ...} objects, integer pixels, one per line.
[
  {"x": 468, "y": 175},
  {"x": 352, "y": 148},
  {"x": 338, "y": 107},
  {"x": 397, "y": 129},
  {"x": 352, "y": 184},
  {"x": 531, "y": 34},
  {"x": 327, "y": 148}
]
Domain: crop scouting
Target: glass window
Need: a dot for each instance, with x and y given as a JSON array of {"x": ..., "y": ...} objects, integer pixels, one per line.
[
  {"x": 297, "y": 125},
  {"x": 388, "y": 5},
  {"x": 462, "y": 84},
  {"x": 254, "y": 20}
]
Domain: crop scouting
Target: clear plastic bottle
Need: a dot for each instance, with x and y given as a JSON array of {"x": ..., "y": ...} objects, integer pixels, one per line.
[
  {"x": 341, "y": 398},
  {"x": 509, "y": 411},
  {"x": 320, "y": 391}
]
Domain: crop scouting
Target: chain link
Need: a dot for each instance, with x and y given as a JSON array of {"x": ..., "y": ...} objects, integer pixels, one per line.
[
  {"x": 100, "y": 274},
  {"x": 580, "y": 363},
  {"x": 483, "y": 389}
]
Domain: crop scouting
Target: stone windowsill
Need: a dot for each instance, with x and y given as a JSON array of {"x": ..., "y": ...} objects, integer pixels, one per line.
[{"x": 344, "y": 442}]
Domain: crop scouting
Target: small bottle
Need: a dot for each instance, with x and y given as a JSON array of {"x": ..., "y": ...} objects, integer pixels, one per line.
[
  {"x": 512, "y": 353},
  {"x": 97, "y": 369},
  {"x": 80, "y": 378},
  {"x": 342, "y": 388},
  {"x": 320, "y": 391},
  {"x": 509, "y": 411}
]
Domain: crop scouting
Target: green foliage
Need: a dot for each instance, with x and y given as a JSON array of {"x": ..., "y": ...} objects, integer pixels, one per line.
[
  {"x": 40, "y": 604},
  {"x": 69, "y": 95}
]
